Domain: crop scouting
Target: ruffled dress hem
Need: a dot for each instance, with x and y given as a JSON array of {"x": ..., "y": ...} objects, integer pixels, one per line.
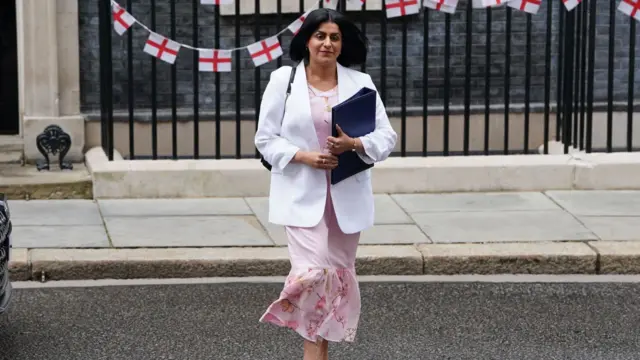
[{"x": 318, "y": 304}]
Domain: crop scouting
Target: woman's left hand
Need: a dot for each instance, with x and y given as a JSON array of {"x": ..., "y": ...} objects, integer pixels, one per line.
[{"x": 340, "y": 144}]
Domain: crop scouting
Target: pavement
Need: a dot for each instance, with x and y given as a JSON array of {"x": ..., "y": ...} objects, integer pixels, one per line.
[
  {"x": 401, "y": 320},
  {"x": 551, "y": 232}
]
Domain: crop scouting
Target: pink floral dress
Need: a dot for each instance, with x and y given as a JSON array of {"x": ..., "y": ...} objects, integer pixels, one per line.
[{"x": 321, "y": 297}]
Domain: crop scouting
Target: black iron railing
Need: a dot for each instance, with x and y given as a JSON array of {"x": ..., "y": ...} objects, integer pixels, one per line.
[{"x": 471, "y": 64}]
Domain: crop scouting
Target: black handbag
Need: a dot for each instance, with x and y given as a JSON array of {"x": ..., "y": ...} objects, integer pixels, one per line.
[{"x": 286, "y": 96}]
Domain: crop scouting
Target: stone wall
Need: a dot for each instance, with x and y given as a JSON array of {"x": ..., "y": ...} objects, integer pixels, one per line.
[{"x": 90, "y": 62}]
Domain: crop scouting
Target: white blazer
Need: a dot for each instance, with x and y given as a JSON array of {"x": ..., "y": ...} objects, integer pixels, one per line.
[{"x": 297, "y": 191}]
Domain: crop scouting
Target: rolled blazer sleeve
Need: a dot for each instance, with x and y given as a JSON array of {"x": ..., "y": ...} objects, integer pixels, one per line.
[
  {"x": 275, "y": 149},
  {"x": 379, "y": 144}
]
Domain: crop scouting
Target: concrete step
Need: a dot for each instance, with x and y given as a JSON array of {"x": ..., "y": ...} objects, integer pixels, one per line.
[
  {"x": 26, "y": 182},
  {"x": 11, "y": 143},
  {"x": 11, "y": 149},
  {"x": 10, "y": 157}
]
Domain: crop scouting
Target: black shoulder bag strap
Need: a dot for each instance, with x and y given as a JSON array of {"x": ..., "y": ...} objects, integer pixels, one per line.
[{"x": 286, "y": 96}]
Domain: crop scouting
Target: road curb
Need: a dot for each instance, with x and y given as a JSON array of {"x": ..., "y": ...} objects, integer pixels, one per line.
[
  {"x": 425, "y": 259},
  {"x": 617, "y": 257},
  {"x": 509, "y": 258}
]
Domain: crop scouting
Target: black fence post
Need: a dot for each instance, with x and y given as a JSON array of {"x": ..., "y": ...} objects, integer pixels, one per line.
[
  {"x": 567, "y": 82},
  {"x": 342, "y": 6},
  {"x": 610, "y": 74},
  {"x": 196, "y": 81},
  {"x": 631, "y": 83},
  {"x": 106, "y": 77},
  {"x": 257, "y": 86},
  {"x": 590, "y": 75}
]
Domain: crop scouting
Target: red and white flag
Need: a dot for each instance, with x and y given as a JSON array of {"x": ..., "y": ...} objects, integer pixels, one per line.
[
  {"x": 530, "y": 6},
  {"x": 294, "y": 27},
  {"x": 631, "y": 8},
  {"x": 359, "y": 3},
  {"x": 162, "y": 48},
  {"x": 216, "y": 2},
  {"x": 330, "y": 4},
  {"x": 397, "y": 8},
  {"x": 446, "y": 2},
  {"x": 265, "y": 51},
  {"x": 570, "y": 4},
  {"x": 122, "y": 20},
  {"x": 437, "y": 5},
  {"x": 215, "y": 60},
  {"x": 487, "y": 3}
]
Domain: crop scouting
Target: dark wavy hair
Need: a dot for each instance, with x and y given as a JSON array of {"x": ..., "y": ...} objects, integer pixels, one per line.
[{"x": 354, "y": 43}]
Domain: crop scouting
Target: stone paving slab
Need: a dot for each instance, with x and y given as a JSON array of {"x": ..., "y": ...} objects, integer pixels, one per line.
[
  {"x": 613, "y": 228},
  {"x": 598, "y": 203},
  {"x": 500, "y": 226},
  {"x": 377, "y": 235},
  {"x": 66, "y": 236},
  {"x": 260, "y": 207},
  {"x": 54, "y": 212},
  {"x": 389, "y": 218},
  {"x": 387, "y": 211},
  {"x": 181, "y": 231},
  {"x": 452, "y": 234},
  {"x": 464, "y": 202},
  {"x": 400, "y": 219},
  {"x": 393, "y": 234},
  {"x": 174, "y": 207}
]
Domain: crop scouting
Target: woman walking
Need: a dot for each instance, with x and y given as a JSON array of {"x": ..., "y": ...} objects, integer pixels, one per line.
[{"x": 321, "y": 298}]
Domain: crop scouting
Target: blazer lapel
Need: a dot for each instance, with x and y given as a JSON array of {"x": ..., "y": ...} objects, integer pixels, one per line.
[
  {"x": 302, "y": 106},
  {"x": 346, "y": 85}
]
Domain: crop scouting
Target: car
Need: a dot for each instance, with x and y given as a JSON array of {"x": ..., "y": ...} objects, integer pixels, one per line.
[{"x": 5, "y": 246}]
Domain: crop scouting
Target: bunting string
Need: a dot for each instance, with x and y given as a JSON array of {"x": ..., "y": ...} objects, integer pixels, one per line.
[
  {"x": 269, "y": 49},
  {"x": 117, "y": 10}
]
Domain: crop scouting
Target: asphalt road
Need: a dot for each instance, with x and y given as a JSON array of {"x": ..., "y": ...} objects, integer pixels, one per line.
[{"x": 428, "y": 320}]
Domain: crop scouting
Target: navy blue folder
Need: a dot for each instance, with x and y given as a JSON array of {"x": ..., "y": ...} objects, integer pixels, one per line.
[{"x": 357, "y": 117}]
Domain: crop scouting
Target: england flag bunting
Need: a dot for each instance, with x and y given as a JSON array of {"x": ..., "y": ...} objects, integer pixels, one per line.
[
  {"x": 453, "y": 3},
  {"x": 631, "y": 8},
  {"x": 162, "y": 48},
  {"x": 571, "y": 4},
  {"x": 529, "y": 6},
  {"x": 330, "y": 4},
  {"x": 294, "y": 27},
  {"x": 487, "y": 3},
  {"x": 440, "y": 5},
  {"x": 397, "y": 8},
  {"x": 122, "y": 20},
  {"x": 215, "y": 60},
  {"x": 265, "y": 51},
  {"x": 359, "y": 3}
]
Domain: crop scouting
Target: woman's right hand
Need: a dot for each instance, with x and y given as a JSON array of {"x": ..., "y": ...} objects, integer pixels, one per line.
[{"x": 317, "y": 160}]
